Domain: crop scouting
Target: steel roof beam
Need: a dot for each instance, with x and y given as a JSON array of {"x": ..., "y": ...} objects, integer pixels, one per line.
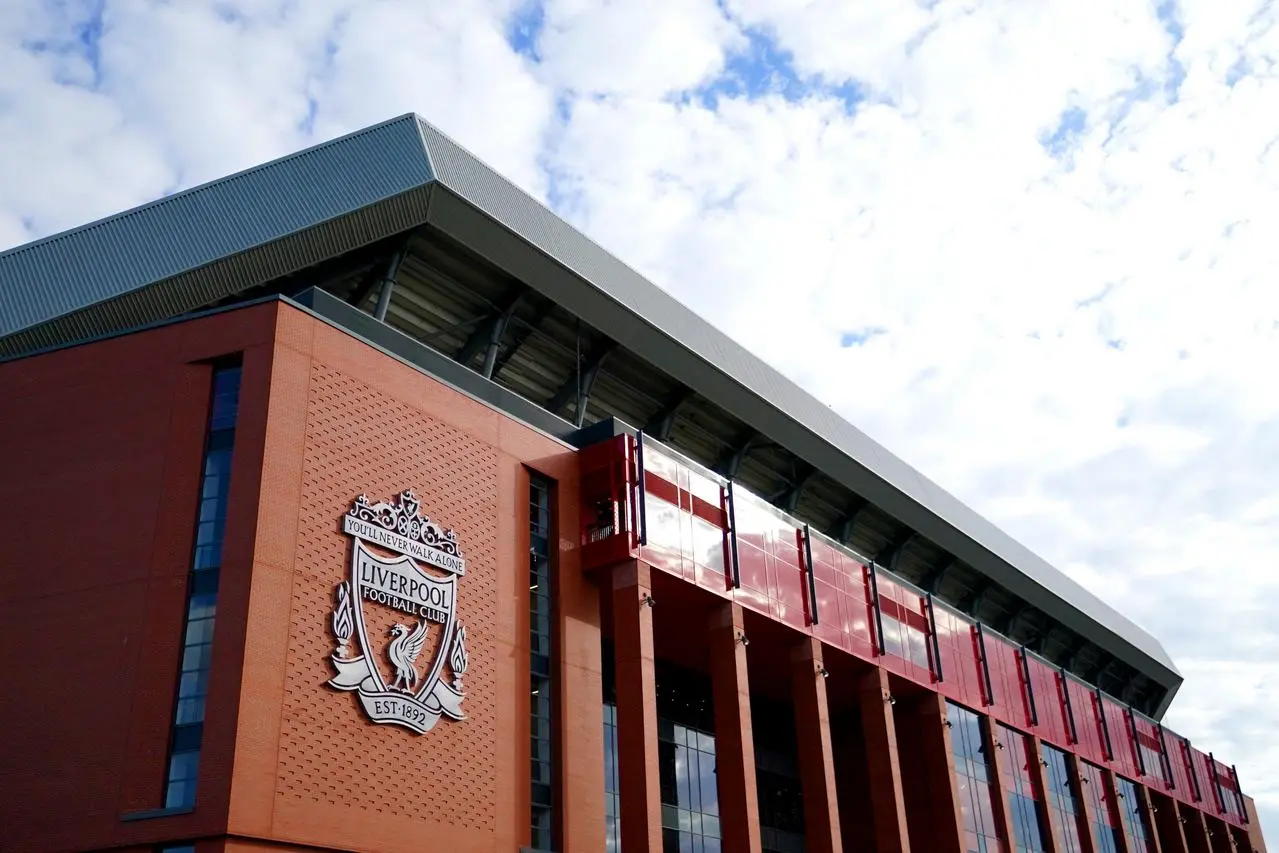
[
  {"x": 934, "y": 578},
  {"x": 579, "y": 384},
  {"x": 848, "y": 524},
  {"x": 661, "y": 424},
  {"x": 487, "y": 337},
  {"x": 788, "y": 498},
  {"x": 521, "y": 338},
  {"x": 888, "y": 555},
  {"x": 388, "y": 282},
  {"x": 731, "y": 462}
]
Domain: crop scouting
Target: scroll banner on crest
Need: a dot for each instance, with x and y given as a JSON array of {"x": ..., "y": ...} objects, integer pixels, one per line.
[{"x": 384, "y": 706}]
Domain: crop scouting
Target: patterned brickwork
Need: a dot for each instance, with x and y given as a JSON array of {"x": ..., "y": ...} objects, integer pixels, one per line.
[{"x": 361, "y": 441}]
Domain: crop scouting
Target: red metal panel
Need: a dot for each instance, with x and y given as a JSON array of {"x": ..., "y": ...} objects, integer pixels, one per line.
[
  {"x": 1209, "y": 801},
  {"x": 858, "y": 613},
  {"x": 1053, "y": 726},
  {"x": 1183, "y": 787},
  {"x": 952, "y": 662},
  {"x": 1087, "y": 724},
  {"x": 1124, "y": 758},
  {"x": 1148, "y": 741},
  {"x": 1005, "y": 675},
  {"x": 788, "y": 579}
]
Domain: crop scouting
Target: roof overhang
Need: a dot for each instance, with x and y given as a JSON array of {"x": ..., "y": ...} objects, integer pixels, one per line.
[{"x": 206, "y": 244}]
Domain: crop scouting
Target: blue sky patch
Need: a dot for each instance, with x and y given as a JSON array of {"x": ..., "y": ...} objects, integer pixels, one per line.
[
  {"x": 1070, "y": 125},
  {"x": 859, "y": 337},
  {"x": 524, "y": 28}
]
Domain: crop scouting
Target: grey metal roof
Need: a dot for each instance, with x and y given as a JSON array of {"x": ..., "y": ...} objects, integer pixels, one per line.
[{"x": 204, "y": 244}]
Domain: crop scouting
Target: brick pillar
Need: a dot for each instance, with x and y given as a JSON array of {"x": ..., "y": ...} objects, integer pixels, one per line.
[
  {"x": 816, "y": 758},
  {"x": 998, "y": 790},
  {"x": 942, "y": 835},
  {"x": 1039, "y": 780},
  {"x": 1083, "y": 796},
  {"x": 1254, "y": 825},
  {"x": 1168, "y": 825},
  {"x": 636, "y": 686},
  {"x": 1196, "y": 831},
  {"x": 880, "y": 731},
  {"x": 734, "y": 742},
  {"x": 1150, "y": 816}
]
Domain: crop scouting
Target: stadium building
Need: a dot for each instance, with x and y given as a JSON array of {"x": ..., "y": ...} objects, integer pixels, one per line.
[{"x": 358, "y": 502}]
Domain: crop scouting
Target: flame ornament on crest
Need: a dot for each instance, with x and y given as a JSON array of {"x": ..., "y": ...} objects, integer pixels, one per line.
[
  {"x": 342, "y": 620},
  {"x": 459, "y": 660}
]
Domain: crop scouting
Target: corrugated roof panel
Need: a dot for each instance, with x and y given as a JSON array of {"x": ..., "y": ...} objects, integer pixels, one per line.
[{"x": 106, "y": 259}]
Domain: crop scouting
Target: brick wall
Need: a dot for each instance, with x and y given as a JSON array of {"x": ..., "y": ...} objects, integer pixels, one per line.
[{"x": 100, "y": 453}]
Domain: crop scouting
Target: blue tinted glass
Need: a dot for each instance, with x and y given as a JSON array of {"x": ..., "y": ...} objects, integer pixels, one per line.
[{"x": 226, "y": 394}]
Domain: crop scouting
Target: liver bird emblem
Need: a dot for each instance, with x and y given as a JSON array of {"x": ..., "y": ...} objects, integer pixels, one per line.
[{"x": 403, "y": 654}]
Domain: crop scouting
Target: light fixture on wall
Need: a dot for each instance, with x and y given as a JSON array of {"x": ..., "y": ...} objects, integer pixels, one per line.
[
  {"x": 890, "y": 699},
  {"x": 647, "y": 600},
  {"x": 822, "y": 671},
  {"x": 741, "y": 638}
]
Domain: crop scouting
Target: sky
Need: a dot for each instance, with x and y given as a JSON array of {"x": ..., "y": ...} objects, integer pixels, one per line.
[{"x": 1022, "y": 244}]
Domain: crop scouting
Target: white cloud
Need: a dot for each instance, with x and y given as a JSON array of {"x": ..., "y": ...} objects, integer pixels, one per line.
[{"x": 1078, "y": 345}]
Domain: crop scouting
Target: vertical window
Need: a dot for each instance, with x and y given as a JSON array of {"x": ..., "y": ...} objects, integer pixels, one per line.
[
  {"x": 972, "y": 772},
  {"x": 1022, "y": 798},
  {"x": 612, "y": 799},
  {"x": 540, "y": 680},
  {"x": 202, "y": 593},
  {"x": 686, "y": 762},
  {"x": 777, "y": 782},
  {"x": 1061, "y": 799},
  {"x": 1133, "y": 817},
  {"x": 1103, "y": 805}
]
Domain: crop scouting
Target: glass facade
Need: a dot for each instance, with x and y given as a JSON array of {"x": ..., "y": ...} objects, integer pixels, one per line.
[
  {"x": 686, "y": 761},
  {"x": 1061, "y": 799},
  {"x": 1024, "y": 804},
  {"x": 972, "y": 772},
  {"x": 1106, "y": 817},
  {"x": 777, "y": 780},
  {"x": 183, "y": 769},
  {"x": 1133, "y": 817},
  {"x": 541, "y": 746}
]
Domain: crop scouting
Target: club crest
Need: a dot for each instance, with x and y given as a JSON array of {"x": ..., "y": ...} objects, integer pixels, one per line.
[{"x": 395, "y": 619}]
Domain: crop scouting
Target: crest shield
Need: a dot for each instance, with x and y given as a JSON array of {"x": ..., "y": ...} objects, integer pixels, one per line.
[{"x": 404, "y": 620}]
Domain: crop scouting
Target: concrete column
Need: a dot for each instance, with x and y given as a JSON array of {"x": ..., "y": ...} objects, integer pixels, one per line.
[
  {"x": 1168, "y": 825},
  {"x": 880, "y": 731},
  {"x": 1039, "y": 779},
  {"x": 998, "y": 784},
  {"x": 946, "y": 819},
  {"x": 1084, "y": 796},
  {"x": 816, "y": 758},
  {"x": 636, "y": 685},
  {"x": 734, "y": 742}
]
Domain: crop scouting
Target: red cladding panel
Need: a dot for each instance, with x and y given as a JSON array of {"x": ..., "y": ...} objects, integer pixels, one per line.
[
  {"x": 1123, "y": 759},
  {"x": 1087, "y": 724},
  {"x": 858, "y": 609},
  {"x": 1053, "y": 726}
]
